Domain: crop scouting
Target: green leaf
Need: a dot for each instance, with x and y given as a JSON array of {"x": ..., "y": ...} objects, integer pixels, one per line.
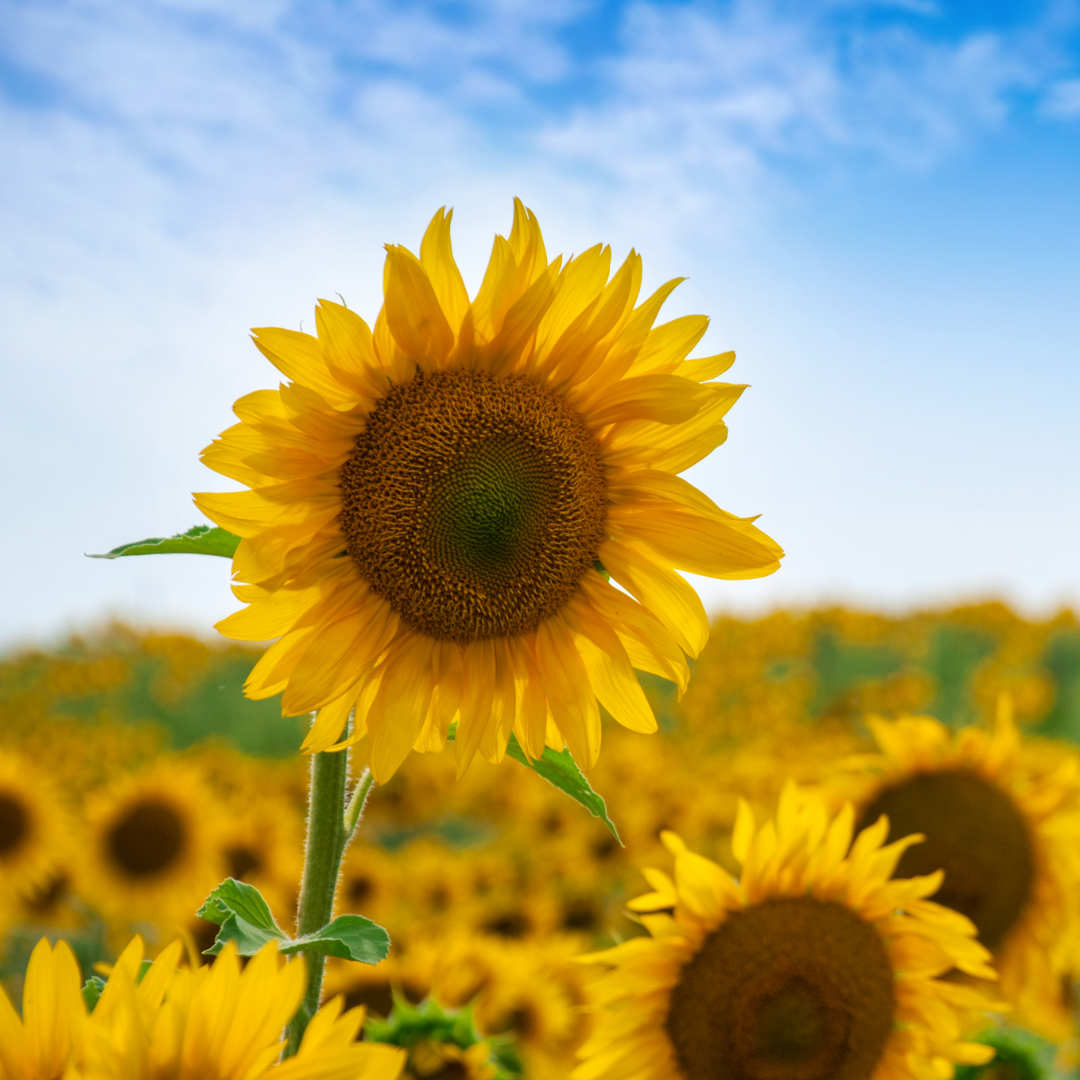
[
  {"x": 91, "y": 991},
  {"x": 244, "y": 917},
  {"x": 248, "y": 939},
  {"x": 199, "y": 540},
  {"x": 558, "y": 768},
  {"x": 350, "y": 937}
]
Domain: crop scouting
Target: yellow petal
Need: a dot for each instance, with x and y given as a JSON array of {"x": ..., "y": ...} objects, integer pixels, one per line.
[
  {"x": 400, "y": 707},
  {"x": 413, "y": 313},
  {"x": 478, "y": 664},
  {"x": 610, "y": 675},
  {"x": 698, "y": 544},
  {"x": 667, "y": 595},
  {"x": 437, "y": 259},
  {"x": 660, "y": 399}
]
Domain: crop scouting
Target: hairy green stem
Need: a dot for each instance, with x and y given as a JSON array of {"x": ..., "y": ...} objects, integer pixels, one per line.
[
  {"x": 357, "y": 802},
  {"x": 326, "y": 840}
]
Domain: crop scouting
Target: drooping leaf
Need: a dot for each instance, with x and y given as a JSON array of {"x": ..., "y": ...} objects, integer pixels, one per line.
[
  {"x": 350, "y": 937},
  {"x": 199, "y": 540},
  {"x": 558, "y": 768},
  {"x": 243, "y": 916}
]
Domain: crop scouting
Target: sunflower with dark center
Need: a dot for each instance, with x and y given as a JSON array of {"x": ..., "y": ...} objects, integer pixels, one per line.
[
  {"x": 153, "y": 851},
  {"x": 813, "y": 965},
  {"x": 436, "y": 505},
  {"x": 1000, "y": 818},
  {"x": 33, "y": 829}
]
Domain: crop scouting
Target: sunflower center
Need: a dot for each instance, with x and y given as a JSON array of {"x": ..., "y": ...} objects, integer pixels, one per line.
[
  {"x": 147, "y": 839},
  {"x": 790, "y": 989},
  {"x": 472, "y": 504},
  {"x": 975, "y": 833},
  {"x": 242, "y": 861},
  {"x": 14, "y": 824}
]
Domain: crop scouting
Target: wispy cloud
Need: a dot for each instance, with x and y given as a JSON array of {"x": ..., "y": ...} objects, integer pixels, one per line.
[
  {"x": 175, "y": 170},
  {"x": 705, "y": 92}
]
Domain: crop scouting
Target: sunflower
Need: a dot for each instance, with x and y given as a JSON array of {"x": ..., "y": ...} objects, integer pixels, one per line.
[
  {"x": 39, "y": 1046},
  {"x": 1000, "y": 818},
  {"x": 435, "y": 506},
  {"x": 812, "y": 965},
  {"x": 33, "y": 829},
  {"x": 260, "y": 841},
  {"x": 219, "y": 1023},
  {"x": 152, "y": 851}
]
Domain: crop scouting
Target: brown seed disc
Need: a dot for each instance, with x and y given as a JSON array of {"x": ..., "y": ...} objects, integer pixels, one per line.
[
  {"x": 242, "y": 861},
  {"x": 792, "y": 988},
  {"x": 148, "y": 839},
  {"x": 473, "y": 505},
  {"x": 14, "y": 824},
  {"x": 975, "y": 833}
]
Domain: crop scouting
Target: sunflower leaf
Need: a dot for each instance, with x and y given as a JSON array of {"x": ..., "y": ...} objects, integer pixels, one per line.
[
  {"x": 198, "y": 540},
  {"x": 350, "y": 937},
  {"x": 243, "y": 916},
  {"x": 559, "y": 769},
  {"x": 248, "y": 939},
  {"x": 91, "y": 991}
]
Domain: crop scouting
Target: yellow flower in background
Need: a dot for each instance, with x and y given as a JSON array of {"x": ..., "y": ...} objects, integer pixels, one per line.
[
  {"x": 1001, "y": 820},
  {"x": 40, "y": 1044},
  {"x": 429, "y": 504},
  {"x": 33, "y": 828},
  {"x": 220, "y": 1022},
  {"x": 152, "y": 850},
  {"x": 435, "y": 1060},
  {"x": 814, "y": 965}
]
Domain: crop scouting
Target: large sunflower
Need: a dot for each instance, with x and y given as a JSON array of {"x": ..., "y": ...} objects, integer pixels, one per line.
[
  {"x": 1000, "y": 818},
  {"x": 814, "y": 965},
  {"x": 435, "y": 506}
]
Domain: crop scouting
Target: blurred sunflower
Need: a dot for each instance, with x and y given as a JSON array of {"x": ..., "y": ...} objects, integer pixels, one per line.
[
  {"x": 220, "y": 1022},
  {"x": 1001, "y": 820},
  {"x": 260, "y": 839},
  {"x": 368, "y": 883},
  {"x": 39, "y": 1046},
  {"x": 33, "y": 829},
  {"x": 812, "y": 966},
  {"x": 152, "y": 851},
  {"x": 435, "y": 505}
]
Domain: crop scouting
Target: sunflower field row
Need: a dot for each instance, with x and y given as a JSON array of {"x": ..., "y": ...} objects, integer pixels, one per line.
[{"x": 134, "y": 776}]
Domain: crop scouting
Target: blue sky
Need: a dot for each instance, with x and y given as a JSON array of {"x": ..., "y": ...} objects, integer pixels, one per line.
[{"x": 875, "y": 202}]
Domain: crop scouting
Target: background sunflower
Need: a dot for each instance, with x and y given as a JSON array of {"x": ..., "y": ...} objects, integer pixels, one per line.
[
  {"x": 1001, "y": 818},
  {"x": 151, "y": 850}
]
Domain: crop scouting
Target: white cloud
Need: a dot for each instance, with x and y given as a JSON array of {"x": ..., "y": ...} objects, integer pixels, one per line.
[
  {"x": 178, "y": 170},
  {"x": 703, "y": 92},
  {"x": 1062, "y": 100}
]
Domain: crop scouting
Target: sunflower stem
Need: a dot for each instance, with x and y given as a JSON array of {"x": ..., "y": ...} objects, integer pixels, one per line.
[
  {"x": 356, "y": 805},
  {"x": 326, "y": 840}
]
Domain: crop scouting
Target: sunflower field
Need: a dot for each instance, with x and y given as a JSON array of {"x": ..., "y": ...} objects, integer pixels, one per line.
[
  {"x": 377, "y": 837},
  {"x": 164, "y": 779}
]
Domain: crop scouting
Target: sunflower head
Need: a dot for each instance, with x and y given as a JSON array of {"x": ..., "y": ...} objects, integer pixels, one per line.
[
  {"x": 33, "y": 829},
  {"x": 152, "y": 851},
  {"x": 813, "y": 965},
  {"x": 1000, "y": 820},
  {"x": 436, "y": 504}
]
